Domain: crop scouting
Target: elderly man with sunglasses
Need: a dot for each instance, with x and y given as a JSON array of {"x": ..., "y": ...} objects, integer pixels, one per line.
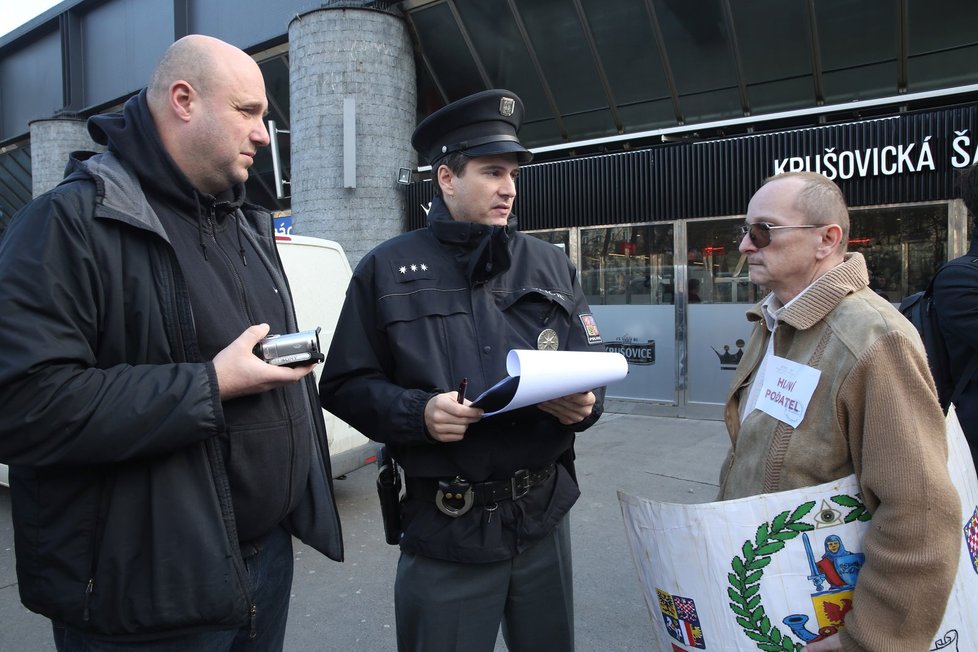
[{"x": 869, "y": 408}]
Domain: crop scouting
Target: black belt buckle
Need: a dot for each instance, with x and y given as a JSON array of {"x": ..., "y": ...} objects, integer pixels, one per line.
[
  {"x": 454, "y": 498},
  {"x": 520, "y": 484}
]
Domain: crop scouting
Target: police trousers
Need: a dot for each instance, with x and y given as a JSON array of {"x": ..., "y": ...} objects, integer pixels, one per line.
[{"x": 444, "y": 606}]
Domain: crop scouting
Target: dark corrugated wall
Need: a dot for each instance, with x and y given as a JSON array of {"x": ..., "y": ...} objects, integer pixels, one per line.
[{"x": 714, "y": 178}]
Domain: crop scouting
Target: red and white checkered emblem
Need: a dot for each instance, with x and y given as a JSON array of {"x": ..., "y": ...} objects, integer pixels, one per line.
[{"x": 971, "y": 538}]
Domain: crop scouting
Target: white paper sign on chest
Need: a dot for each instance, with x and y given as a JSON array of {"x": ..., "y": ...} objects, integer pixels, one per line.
[{"x": 787, "y": 390}]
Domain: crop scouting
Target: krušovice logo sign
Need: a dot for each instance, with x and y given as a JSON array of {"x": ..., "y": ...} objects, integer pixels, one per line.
[{"x": 635, "y": 352}]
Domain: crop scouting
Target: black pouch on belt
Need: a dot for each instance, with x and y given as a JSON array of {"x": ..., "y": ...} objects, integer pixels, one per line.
[{"x": 389, "y": 491}]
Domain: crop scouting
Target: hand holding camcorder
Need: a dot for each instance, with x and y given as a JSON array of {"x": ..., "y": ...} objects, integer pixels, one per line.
[{"x": 290, "y": 350}]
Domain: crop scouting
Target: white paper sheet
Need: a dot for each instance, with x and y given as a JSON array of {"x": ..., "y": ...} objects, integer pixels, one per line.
[{"x": 537, "y": 376}]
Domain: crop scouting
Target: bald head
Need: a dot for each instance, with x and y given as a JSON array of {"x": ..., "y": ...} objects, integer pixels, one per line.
[
  {"x": 207, "y": 100},
  {"x": 810, "y": 215},
  {"x": 199, "y": 60}
]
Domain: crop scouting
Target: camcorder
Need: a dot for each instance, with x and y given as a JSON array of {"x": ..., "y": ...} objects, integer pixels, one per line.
[{"x": 290, "y": 350}]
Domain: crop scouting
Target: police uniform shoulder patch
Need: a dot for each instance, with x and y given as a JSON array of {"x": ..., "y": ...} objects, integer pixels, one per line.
[{"x": 590, "y": 328}]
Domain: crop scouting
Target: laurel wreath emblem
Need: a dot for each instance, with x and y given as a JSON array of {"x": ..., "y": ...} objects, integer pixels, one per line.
[{"x": 744, "y": 589}]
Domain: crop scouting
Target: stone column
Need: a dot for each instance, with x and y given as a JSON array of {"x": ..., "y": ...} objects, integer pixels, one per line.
[
  {"x": 52, "y": 140},
  {"x": 339, "y": 52}
]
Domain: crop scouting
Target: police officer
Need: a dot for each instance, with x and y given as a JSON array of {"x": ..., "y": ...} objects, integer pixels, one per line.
[{"x": 485, "y": 534}]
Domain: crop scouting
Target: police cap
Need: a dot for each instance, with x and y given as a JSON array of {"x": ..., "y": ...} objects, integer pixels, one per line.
[{"x": 482, "y": 124}]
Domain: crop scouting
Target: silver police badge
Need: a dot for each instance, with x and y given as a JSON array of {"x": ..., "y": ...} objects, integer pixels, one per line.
[
  {"x": 547, "y": 340},
  {"x": 506, "y": 106}
]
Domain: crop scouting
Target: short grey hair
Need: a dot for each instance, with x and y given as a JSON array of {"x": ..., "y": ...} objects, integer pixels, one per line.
[{"x": 820, "y": 200}]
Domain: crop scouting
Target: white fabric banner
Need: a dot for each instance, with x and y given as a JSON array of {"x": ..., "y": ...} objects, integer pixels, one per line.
[{"x": 775, "y": 571}]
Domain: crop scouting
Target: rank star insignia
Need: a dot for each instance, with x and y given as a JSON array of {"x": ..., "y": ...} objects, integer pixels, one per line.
[
  {"x": 406, "y": 270},
  {"x": 547, "y": 340}
]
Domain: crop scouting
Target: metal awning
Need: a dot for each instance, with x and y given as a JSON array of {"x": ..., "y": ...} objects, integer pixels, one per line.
[
  {"x": 594, "y": 69},
  {"x": 612, "y": 75}
]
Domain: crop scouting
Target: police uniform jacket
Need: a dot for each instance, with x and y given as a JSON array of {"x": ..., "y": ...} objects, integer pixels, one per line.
[{"x": 431, "y": 307}]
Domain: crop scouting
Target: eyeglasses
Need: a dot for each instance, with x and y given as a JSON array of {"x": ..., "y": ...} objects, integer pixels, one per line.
[{"x": 760, "y": 232}]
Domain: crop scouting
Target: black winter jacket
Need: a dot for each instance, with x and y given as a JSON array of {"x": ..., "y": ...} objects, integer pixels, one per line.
[
  {"x": 422, "y": 313},
  {"x": 109, "y": 420},
  {"x": 956, "y": 302}
]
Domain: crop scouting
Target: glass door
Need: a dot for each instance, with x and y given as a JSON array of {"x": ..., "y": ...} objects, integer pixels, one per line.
[
  {"x": 628, "y": 273},
  {"x": 718, "y": 294},
  {"x": 672, "y": 296}
]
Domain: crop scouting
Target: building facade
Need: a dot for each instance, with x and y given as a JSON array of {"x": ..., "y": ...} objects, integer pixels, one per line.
[{"x": 652, "y": 124}]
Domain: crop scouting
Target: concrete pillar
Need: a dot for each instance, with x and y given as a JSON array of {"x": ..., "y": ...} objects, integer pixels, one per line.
[
  {"x": 336, "y": 53},
  {"x": 52, "y": 140}
]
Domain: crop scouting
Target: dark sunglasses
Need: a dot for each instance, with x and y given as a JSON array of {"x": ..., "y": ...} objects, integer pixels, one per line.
[{"x": 760, "y": 232}]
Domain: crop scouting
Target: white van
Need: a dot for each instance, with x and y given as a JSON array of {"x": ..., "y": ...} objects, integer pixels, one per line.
[{"x": 318, "y": 273}]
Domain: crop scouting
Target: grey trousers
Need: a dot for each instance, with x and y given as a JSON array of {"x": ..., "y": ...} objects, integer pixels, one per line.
[{"x": 445, "y": 606}]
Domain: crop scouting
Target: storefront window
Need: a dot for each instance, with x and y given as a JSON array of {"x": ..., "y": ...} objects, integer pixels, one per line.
[
  {"x": 716, "y": 270},
  {"x": 903, "y": 246},
  {"x": 561, "y": 238},
  {"x": 628, "y": 265}
]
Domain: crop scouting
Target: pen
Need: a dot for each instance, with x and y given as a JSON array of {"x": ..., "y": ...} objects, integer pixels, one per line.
[{"x": 462, "y": 386}]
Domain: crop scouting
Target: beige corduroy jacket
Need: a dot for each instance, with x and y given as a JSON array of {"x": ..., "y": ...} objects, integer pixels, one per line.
[{"x": 874, "y": 413}]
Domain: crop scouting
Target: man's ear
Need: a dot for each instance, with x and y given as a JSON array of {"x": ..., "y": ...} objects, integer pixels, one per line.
[
  {"x": 182, "y": 96},
  {"x": 446, "y": 180},
  {"x": 830, "y": 242}
]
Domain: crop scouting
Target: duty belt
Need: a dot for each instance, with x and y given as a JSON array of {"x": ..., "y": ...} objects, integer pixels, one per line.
[{"x": 456, "y": 497}]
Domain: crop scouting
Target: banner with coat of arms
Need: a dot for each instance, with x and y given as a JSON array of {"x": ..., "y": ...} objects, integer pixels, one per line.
[{"x": 777, "y": 571}]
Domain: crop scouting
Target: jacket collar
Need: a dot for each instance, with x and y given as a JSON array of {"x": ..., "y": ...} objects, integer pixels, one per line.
[
  {"x": 119, "y": 195},
  {"x": 821, "y": 297},
  {"x": 482, "y": 251}
]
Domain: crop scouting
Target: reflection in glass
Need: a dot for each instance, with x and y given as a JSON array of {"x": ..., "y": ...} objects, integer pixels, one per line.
[
  {"x": 628, "y": 265},
  {"x": 716, "y": 271},
  {"x": 559, "y": 238},
  {"x": 633, "y": 265},
  {"x": 903, "y": 246}
]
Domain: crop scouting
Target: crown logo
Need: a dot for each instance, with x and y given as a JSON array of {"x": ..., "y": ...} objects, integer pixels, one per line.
[{"x": 728, "y": 359}]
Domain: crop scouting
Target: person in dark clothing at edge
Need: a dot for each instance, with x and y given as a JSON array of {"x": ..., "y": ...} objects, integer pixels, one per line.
[
  {"x": 956, "y": 303},
  {"x": 158, "y": 468},
  {"x": 485, "y": 532}
]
